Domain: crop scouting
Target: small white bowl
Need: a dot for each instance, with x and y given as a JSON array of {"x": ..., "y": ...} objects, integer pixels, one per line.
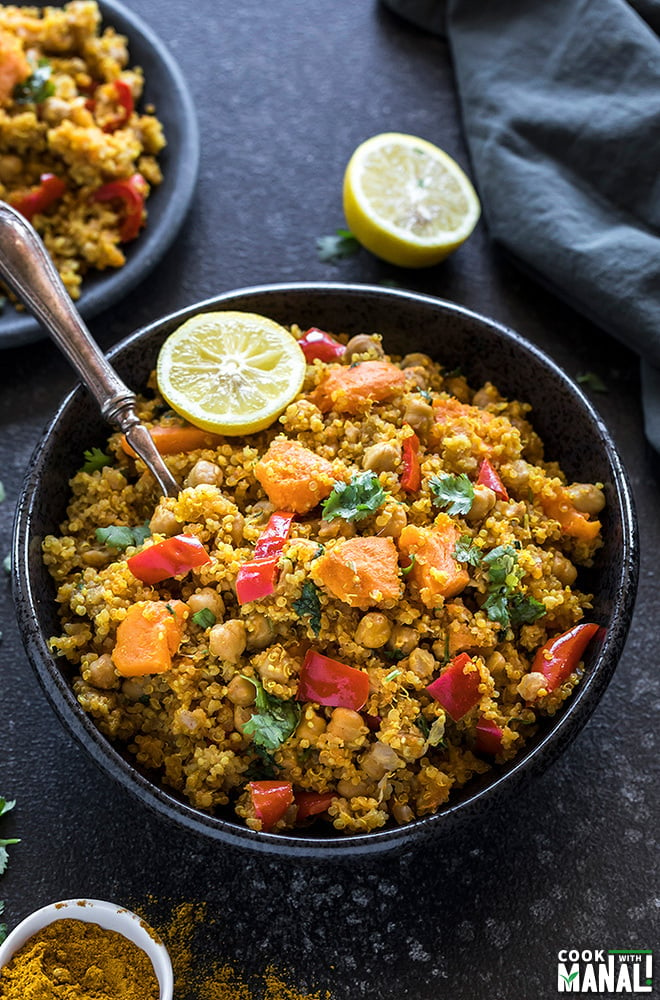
[{"x": 111, "y": 917}]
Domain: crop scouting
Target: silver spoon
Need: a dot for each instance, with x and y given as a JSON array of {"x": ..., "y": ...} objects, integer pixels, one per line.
[{"x": 27, "y": 269}]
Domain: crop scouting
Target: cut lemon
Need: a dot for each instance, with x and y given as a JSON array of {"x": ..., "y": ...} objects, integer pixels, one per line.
[
  {"x": 407, "y": 201},
  {"x": 230, "y": 372}
]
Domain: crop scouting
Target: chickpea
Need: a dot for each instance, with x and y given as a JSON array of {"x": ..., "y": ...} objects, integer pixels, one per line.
[
  {"x": 416, "y": 360},
  {"x": 483, "y": 503},
  {"x": 349, "y": 789},
  {"x": 422, "y": 662},
  {"x": 207, "y": 599},
  {"x": 391, "y": 521},
  {"x": 95, "y": 557},
  {"x": 379, "y": 760},
  {"x": 402, "y": 812},
  {"x": 531, "y": 684},
  {"x": 496, "y": 662},
  {"x": 242, "y": 714},
  {"x": 101, "y": 672},
  {"x": 311, "y": 726},
  {"x": 163, "y": 522},
  {"x": 204, "y": 472},
  {"x": 336, "y": 528},
  {"x": 228, "y": 640},
  {"x": 418, "y": 376},
  {"x": 373, "y": 630},
  {"x": 384, "y": 456},
  {"x": 11, "y": 167},
  {"x": 419, "y": 414},
  {"x": 363, "y": 344},
  {"x": 404, "y": 639},
  {"x": 586, "y": 498},
  {"x": 54, "y": 110},
  {"x": 518, "y": 473},
  {"x": 564, "y": 569},
  {"x": 262, "y": 509},
  {"x": 241, "y": 691},
  {"x": 237, "y": 529},
  {"x": 133, "y": 687},
  {"x": 259, "y": 630},
  {"x": 346, "y": 725}
]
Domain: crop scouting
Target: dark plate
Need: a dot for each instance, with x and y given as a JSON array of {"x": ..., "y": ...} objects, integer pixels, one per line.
[
  {"x": 573, "y": 433},
  {"x": 168, "y": 203}
]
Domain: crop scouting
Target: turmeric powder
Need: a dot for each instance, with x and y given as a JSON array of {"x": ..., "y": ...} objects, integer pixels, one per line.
[{"x": 75, "y": 960}]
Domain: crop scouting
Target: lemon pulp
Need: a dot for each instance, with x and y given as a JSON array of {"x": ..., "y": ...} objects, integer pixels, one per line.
[
  {"x": 407, "y": 201},
  {"x": 230, "y": 372}
]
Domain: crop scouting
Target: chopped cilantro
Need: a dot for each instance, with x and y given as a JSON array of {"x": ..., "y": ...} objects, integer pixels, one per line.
[
  {"x": 37, "y": 87},
  {"x": 392, "y": 674},
  {"x": 204, "y": 618},
  {"x": 355, "y": 500},
  {"x": 120, "y": 536},
  {"x": 406, "y": 569},
  {"x": 394, "y": 655},
  {"x": 455, "y": 493},
  {"x": 333, "y": 248},
  {"x": 274, "y": 719},
  {"x": 592, "y": 381},
  {"x": 422, "y": 724},
  {"x": 466, "y": 551},
  {"x": 504, "y": 603},
  {"x": 6, "y": 805},
  {"x": 524, "y": 610},
  {"x": 309, "y": 604},
  {"x": 95, "y": 459},
  {"x": 264, "y": 767}
]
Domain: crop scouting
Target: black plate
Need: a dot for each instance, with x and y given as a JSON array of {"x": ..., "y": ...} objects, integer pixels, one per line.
[
  {"x": 166, "y": 89},
  {"x": 573, "y": 433}
]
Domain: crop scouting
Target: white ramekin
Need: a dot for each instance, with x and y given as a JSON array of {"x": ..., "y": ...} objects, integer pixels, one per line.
[{"x": 111, "y": 917}]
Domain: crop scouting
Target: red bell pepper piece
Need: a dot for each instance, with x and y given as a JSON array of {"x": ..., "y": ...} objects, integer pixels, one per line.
[
  {"x": 270, "y": 799},
  {"x": 171, "y": 557},
  {"x": 329, "y": 682},
  {"x": 256, "y": 578},
  {"x": 131, "y": 193},
  {"x": 489, "y": 737},
  {"x": 50, "y": 189},
  {"x": 456, "y": 691},
  {"x": 125, "y": 105},
  {"x": 411, "y": 477},
  {"x": 319, "y": 344},
  {"x": 312, "y": 803},
  {"x": 490, "y": 478},
  {"x": 560, "y": 656}
]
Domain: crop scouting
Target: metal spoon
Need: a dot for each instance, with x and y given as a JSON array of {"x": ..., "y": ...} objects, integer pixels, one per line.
[{"x": 27, "y": 269}]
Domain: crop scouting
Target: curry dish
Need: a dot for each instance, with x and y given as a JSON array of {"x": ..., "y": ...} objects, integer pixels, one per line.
[{"x": 341, "y": 619}]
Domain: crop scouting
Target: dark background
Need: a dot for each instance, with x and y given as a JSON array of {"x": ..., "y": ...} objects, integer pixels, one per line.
[{"x": 284, "y": 93}]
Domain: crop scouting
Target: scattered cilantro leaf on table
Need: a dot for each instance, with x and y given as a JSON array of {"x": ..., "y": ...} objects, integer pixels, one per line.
[
  {"x": 95, "y": 459},
  {"x": 309, "y": 604},
  {"x": 356, "y": 499},
  {"x": 120, "y": 536},
  {"x": 455, "y": 493},
  {"x": 5, "y": 807},
  {"x": 274, "y": 719},
  {"x": 333, "y": 248}
]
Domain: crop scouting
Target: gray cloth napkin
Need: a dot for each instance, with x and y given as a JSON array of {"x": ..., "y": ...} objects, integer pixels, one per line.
[{"x": 561, "y": 111}]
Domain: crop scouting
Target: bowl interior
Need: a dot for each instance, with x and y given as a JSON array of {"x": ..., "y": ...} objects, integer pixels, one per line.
[{"x": 573, "y": 434}]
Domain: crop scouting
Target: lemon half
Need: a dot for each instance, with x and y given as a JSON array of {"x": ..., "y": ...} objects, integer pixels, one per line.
[
  {"x": 230, "y": 372},
  {"x": 407, "y": 201}
]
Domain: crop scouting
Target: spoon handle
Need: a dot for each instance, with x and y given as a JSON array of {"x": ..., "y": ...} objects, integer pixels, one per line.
[{"x": 27, "y": 269}]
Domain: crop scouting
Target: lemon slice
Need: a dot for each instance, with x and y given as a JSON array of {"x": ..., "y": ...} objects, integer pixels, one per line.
[
  {"x": 407, "y": 201},
  {"x": 230, "y": 372}
]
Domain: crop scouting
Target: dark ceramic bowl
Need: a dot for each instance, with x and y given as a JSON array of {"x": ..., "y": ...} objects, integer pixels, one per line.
[{"x": 573, "y": 434}]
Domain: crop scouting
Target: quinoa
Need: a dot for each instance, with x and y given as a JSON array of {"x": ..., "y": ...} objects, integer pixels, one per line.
[
  {"x": 194, "y": 722},
  {"x": 69, "y": 108}
]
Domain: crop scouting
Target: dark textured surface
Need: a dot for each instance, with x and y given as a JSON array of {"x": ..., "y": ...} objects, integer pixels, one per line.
[{"x": 284, "y": 93}]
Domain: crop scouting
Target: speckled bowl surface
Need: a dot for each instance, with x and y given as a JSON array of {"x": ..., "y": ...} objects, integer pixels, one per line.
[{"x": 573, "y": 434}]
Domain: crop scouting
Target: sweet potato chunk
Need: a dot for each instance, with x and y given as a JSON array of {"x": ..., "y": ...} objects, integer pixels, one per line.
[
  {"x": 363, "y": 572},
  {"x": 14, "y": 66},
  {"x": 354, "y": 389},
  {"x": 294, "y": 478},
  {"x": 435, "y": 571},
  {"x": 573, "y": 522},
  {"x": 148, "y": 637}
]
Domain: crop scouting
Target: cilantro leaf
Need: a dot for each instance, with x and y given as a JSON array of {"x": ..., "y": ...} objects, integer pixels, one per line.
[
  {"x": 274, "y": 719},
  {"x": 120, "y": 536},
  {"x": 5, "y": 806},
  {"x": 309, "y": 604},
  {"x": 504, "y": 603},
  {"x": 496, "y": 607},
  {"x": 466, "y": 551},
  {"x": 37, "y": 87},
  {"x": 95, "y": 459},
  {"x": 333, "y": 248},
  {"x": 524, "y": 610},
  {"x": 592, "y": 381},
  {"x": 455, "y": 493},
  {"x": 356, "y": 499},
  {"x": 204, "y": 618}
]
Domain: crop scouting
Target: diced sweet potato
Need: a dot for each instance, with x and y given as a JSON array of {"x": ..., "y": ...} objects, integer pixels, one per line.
[
  {"x": 294, "y": 478},
  {"x": 148, "y": 637},
  {"x": 573, "y": 522},
  {"x": 14, "y": 66},
  {"x": 435, "y": 571},
  {"x": 354, "y": 389},
  {"x": 363, "y": 572},
  {"x": 174, "y": 439}
]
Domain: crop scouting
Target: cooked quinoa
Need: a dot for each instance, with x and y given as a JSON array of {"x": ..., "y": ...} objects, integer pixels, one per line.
[
  {"x": 430, "y": 541},
  {"x": 69, "y": 108}
]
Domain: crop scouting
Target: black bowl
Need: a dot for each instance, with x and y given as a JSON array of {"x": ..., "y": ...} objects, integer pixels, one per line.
[{"x": 573, "y": 434}]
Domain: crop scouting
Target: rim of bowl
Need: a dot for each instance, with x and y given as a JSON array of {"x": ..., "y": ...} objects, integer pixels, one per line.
[
  {"x": 109, "y": 916},
  {"x": 535, "y": 757}
]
